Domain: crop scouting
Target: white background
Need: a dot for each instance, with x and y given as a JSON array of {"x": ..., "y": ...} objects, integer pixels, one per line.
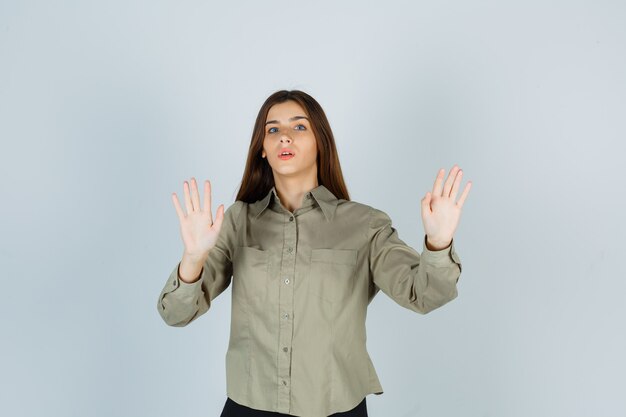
[{"x": 107, "y": 107}]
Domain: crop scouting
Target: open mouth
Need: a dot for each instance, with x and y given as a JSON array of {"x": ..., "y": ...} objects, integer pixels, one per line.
[{"x": 285, "y": 154}]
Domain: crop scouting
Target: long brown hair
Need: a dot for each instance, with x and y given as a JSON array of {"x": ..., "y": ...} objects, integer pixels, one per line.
[{"x": 258, "y": 178}]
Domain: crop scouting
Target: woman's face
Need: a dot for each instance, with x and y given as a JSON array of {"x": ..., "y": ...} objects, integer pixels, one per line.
[{"x": 288, "y": 127}]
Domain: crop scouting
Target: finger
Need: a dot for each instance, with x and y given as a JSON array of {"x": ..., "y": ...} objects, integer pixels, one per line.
[
  {"x": 195, "y": 196},
  {"x": 466, "y": 190},
  {"x": 437, "y": 186},
  {"x": 456, "y": 184},
  {"x": 450, "y": 180},
  {"x": 207, "y": 198},
  {"x": 219, "y": 217},
  {"x": 179, "y": 210},
  {"x": 210, "y": 202},
  {"x": 188, "y": 203}
]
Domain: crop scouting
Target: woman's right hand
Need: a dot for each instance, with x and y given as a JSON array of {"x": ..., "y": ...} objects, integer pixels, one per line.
[{"x": 197, "y": 228}]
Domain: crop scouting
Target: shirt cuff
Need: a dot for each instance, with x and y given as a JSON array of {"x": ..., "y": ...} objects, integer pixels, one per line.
[
  {"x": 180, "y": 286},
  {"x": 443, "y": 257}
]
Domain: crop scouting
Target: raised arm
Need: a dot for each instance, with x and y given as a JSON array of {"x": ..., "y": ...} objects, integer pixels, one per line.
[
  {"x": 420, "y": 283},
  {"x": 206, "y": 267}
]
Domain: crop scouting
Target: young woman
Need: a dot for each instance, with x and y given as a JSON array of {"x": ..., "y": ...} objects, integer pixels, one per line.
[{"x": 304, "y": 261}]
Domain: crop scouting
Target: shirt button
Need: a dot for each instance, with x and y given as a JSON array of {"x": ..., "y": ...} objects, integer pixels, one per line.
[
  {"x": 291, "y": 218},
  {"x": 286, "y": 280},
  {"x": 284, "y": 382},
  {"x": 286, "y": 316},
  {"x": 289, "y": 250},
  {"x": 285, "y": 349}
]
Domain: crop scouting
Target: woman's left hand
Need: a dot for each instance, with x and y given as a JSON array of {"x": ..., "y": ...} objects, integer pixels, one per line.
[{"x": 440, "y": 213}]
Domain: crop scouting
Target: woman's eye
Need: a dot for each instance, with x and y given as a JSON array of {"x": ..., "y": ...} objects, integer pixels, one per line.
[{"x": 270, "y": 130}]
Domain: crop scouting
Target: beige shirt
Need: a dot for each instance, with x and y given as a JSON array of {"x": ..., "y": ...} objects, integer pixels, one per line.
[{"x": 301, "y": 284}]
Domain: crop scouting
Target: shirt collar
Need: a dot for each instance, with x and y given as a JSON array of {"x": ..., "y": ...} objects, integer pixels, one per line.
[{"x": 320, "y": 194}]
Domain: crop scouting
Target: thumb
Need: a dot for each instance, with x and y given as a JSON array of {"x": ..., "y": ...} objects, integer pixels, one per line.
[{"x": 426, "y": 203}]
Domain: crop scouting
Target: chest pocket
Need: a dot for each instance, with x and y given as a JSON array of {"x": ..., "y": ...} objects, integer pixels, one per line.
[
  {"x": 250, "y": 272},
  {"x": 331, "y": 276}
]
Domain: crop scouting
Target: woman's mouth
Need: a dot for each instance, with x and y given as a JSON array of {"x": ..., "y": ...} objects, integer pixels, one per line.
[{"x": 285, "y": 154}]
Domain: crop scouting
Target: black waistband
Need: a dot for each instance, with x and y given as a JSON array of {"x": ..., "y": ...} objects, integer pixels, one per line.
[{"x": 232, "y": 409}]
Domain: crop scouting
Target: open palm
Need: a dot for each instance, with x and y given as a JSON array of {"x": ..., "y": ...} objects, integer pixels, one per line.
[
  {"x": 197, "y": 228},
  {"x": 440, "y": 213}
]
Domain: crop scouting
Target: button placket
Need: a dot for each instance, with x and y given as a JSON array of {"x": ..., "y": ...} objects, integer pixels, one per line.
[{"x": 286, "y": 296}]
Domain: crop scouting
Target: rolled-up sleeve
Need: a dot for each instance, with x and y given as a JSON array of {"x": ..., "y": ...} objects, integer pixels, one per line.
[
  {"x": 417, "y": 282},
  {"x": 180, "y": 303}
]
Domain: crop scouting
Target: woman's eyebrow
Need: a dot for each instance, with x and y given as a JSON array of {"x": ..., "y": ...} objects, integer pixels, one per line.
[{"x": 291, "y": 119}]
